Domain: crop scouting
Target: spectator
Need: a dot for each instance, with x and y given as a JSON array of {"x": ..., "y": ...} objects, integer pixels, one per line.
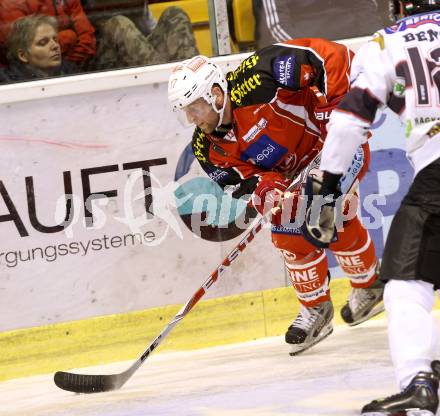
[
  {"x": 34, "y": 51},
  {"x": 76, "y": 34},
  {"x": 279, "y": 20},
  {"x": 121, "y": 44}
]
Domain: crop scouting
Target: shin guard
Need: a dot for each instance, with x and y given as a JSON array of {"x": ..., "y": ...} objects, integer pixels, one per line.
[
  {"x": 354, "y": 251},
  {"x": 309, "y": 276}
]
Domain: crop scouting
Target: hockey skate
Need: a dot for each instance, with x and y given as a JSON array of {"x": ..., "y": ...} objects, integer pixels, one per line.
[
  {"x": 310, "y": 326},
  {"x": 363, "y": 303},
  {"x": 420, "y": 398}
]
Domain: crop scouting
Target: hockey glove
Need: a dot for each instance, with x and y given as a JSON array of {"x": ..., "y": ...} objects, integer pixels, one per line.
[
  {"x": 323, "y": 112},
  {"x": 321, "y": 194},
  {"x": 269, "y": 195},
  {"x": 245, "y": 187}
]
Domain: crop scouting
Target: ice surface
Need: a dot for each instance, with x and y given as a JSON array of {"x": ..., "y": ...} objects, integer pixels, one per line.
[{"x": 259, "y": 378}]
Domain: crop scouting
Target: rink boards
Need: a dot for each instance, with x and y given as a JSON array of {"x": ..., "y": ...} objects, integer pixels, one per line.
[
  {"x": 99, "y": 268},
  {"x": 107, "y": 339}
]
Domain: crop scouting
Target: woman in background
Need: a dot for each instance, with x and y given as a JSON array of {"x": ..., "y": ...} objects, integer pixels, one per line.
[{"x": 33, "y": 50}]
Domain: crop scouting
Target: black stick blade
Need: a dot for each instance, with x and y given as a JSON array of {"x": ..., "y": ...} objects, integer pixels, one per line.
[{"x": 83, "y": 383}]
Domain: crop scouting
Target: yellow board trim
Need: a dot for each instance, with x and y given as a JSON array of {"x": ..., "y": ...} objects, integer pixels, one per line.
[
  {"x": 197, "y": 11},
  {"x": 106, "y": 339},
  {"x": 244, "y": 20}
]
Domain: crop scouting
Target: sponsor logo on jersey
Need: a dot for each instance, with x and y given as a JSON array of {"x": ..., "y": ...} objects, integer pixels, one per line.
[
  {"x": 283, "y": 68},
  {"x": 284, "y": 229},
  {"x": 241, "y": 83},
  {"x": 264, "y": 152},
  {"x": 230, "y": 136},
  {"x": 413, "y": 22},
  {"x": 247, "y": 64},
  {"x": 399, "y": 87},
  {"x": 199, "y": 147},
  {"x": 288, "y": 163},
  {"x": 218, "y": 174},
  {"x": 416, "y": 21},
  {"x": 423, "y": 120},
  {"x": 322, "y": 115},
  {"x": 350, "y": 177},
  {"x": 306, "y": 75},
  {"x": 254, "y": 130},
  {"x": 240, "y": 89}
]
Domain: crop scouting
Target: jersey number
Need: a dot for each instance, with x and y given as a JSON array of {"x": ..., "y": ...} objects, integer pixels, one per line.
[{"x": 425, "y": 72}]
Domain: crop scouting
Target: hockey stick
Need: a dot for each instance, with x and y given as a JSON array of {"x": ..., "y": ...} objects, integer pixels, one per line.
[{"x": 88, "y": 383}]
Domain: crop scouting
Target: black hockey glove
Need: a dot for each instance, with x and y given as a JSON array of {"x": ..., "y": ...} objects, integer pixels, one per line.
[
  {"x": 321, "y": 195},
  {"x": 245, "y": 187}
]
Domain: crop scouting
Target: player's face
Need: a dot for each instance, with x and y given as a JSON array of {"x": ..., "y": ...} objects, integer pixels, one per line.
[
  {"x": 44, "y": 52},
  {"x": 202, "y": 115}
]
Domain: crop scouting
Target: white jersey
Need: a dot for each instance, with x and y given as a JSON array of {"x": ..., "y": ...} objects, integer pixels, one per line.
[{"x": 398, "y": 68}]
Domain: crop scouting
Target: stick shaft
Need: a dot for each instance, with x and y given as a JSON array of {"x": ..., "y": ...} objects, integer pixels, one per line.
[
  {"x": 87, "y": 383},
  {"x": 212, "y": 278}
]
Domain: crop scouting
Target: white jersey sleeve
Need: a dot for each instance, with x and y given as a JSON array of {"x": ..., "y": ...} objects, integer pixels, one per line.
[
  {"x": 399, "y": 68},
  {"x": 349, "y": 124}
]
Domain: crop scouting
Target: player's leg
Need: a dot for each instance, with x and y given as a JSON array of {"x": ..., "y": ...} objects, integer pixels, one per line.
[
  {"x": 411, "y": 265},
  {"x": 308, "y": 271},
  {"x": 354, "y": 251},
  {"x": 413, "y": 343}
]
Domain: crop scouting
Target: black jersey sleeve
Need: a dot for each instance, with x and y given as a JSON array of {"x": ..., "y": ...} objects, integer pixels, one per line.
[
  {"x": 292, "y": 67},
  {"x": 287, "y": 66},
  {"x": 222, "y": 176}
]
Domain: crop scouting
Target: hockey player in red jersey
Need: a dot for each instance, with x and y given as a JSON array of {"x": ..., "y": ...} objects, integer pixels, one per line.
[
  {"x": 399, "y": 68},
  {"x": 264, "y": 123}
]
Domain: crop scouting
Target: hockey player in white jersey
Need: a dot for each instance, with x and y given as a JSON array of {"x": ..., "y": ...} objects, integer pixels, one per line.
[{"x": 399, "y": 68}]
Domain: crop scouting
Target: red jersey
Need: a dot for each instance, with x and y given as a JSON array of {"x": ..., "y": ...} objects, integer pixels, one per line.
[{"x": 274, "y": 128}]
